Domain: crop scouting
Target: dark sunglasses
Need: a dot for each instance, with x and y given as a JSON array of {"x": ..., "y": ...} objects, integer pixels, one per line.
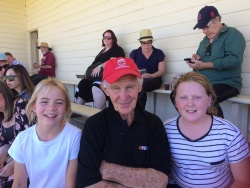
[
  {"x": 4, "y": 66},
  {"x": 108, "y": 38},
  {"x": 10, "y": 77},
  {"x": 146, "y": 43},
  {"x": 208, "y": 50}
]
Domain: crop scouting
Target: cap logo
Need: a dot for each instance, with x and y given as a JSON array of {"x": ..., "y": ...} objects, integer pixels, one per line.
[
  {"x": 212, "y": 14},
  {"x": 121, "y": 64},
  {"x": 199, "y": 16}
]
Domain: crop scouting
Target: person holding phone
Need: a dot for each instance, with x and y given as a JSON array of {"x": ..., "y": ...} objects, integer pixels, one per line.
[
  {"x": 219, "y": 56},
  {"x": 152, "y": 59},
  {"x": 47, "y": 66}
]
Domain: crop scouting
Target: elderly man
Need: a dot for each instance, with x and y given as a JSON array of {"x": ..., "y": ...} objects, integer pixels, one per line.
[
  {"x": 12, "y": 60},
  {"x": 123, "y": 145},
  {"x": 47, "y": 67},
  {"x": 220, "y": 55},
  {"x": 3, "y": 64}
]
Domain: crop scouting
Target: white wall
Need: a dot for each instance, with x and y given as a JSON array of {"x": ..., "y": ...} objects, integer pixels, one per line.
[
  {"x": 74, "y": 28},
  {"x": 13, "y": 29}
]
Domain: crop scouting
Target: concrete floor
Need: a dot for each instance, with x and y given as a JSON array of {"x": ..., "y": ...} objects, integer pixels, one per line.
[{"x": 77, "y": 120}]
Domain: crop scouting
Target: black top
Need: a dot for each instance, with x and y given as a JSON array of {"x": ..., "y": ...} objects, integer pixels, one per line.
[
  {"x": 107, "y": 137},
  {"x": 114, "y": 51}
]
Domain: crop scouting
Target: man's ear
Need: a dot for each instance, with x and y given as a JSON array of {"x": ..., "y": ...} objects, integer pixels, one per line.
[
  {"x": 106, "y": 91},
  {"x": 140, "y": 88}
]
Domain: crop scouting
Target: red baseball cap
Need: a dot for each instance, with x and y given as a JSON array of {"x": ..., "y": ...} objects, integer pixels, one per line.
[{"x": 117, "y": 67}]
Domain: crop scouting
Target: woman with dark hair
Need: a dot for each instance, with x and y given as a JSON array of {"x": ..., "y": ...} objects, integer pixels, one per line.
[
  {"x": 11, "y": 125},
  {"x": 89, "y": 90},
  {"x": 17, "y": 78}
]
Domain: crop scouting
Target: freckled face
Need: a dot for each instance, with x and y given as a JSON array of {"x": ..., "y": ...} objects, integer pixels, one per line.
[
  {"x": 50, "y": 107},
  {"x": 192, "y": 101}
]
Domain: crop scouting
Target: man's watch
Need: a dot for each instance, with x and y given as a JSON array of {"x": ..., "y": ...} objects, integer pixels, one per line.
[{"x": 101, "y": 67}]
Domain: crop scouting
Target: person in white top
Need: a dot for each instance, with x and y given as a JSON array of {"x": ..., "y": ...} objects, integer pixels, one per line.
[
  {"x": 47, "y": 152},
  {"x": 206, "y": 150}
]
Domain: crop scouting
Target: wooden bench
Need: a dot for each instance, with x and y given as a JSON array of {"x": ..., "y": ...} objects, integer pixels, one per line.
[
  {"x": 239, "y": 110},
  {"x": 83, "y": 110}
]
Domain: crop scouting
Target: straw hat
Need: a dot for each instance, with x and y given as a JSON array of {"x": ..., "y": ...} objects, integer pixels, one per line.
[
  {"x": 44, "y": 44},
  {"x": 146, "y": 35}
]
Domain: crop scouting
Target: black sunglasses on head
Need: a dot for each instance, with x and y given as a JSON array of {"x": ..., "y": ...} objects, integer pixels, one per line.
[
  {"x": 208, "y": 50},
  {"x": 10, "y": 77},
  {"x": 4, "y": 66}
]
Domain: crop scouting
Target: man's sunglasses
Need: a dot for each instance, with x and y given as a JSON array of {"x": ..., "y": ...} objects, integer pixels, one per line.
[
  {"x": 10, "y": 77},
  {"x": 4, "y": 66},
  {"x": 108, "y": 38},
  {"x": 208, "y": 50}
]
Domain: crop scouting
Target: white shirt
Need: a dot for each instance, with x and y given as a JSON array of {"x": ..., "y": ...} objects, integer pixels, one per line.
[{"x": 46, "y": 162}]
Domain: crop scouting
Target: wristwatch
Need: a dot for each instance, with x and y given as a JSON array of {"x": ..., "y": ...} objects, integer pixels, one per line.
[{"x": 101, "y": 67}]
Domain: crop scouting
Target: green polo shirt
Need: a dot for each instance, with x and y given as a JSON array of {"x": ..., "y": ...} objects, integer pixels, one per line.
[{"x": 227, "y": 56}]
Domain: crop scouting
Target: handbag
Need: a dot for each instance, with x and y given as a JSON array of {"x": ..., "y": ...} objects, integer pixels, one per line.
[{"x": 89, "y": 72}]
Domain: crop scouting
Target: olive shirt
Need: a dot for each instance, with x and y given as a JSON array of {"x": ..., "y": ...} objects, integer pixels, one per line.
[
  {"x": 227, "y": 56},
  {"x": 106, "y": 136}
]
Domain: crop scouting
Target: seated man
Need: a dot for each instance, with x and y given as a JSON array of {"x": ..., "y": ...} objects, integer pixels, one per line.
[
  {"x": 12, "y": 60},
  {"x": 152, "y": 59},
  {"x": 47, "y": 67},
  {"x": 3, "y": 64},
  {"x": 123, "y": 145}
]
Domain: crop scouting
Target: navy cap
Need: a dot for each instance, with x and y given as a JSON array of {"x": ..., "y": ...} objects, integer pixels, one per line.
[{"x": 205, "y": 15}]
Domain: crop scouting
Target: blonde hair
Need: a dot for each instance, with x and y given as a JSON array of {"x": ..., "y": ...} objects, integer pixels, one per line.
[
  {"x": 202, "y": 80},
  {"x": 47, "y": 84}
]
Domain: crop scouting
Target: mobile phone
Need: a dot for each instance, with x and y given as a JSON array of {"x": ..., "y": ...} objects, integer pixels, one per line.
[
  {"x": 143, "y": 71},
  {"x": 79, "y": 75},
  {"x": 189, "y": 60}
]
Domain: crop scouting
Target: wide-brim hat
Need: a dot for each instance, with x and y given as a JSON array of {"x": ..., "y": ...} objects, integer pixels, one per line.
[
  {"x": 206, "y": 14},
  {"x": 115, "y": 68},
  {"x": 146, "y": 35},
  {"x": 44, "y": 44}
]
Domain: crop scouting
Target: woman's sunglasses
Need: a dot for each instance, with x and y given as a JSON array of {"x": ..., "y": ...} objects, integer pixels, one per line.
[
  {"x": 4, "y": 66},
  {"x": 108, "y": 38},
  {"x": 10, "y": 77}
]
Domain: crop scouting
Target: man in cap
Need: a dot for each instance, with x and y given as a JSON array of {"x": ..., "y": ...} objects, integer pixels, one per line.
[
  {"x": 3, "y": 64},
  {"x": 123, "y": 145},
  {"x": 12, "y": 60},
  {"x": 220, "y": 55},
  {"x": 152, "y": 60},
  {"x": 47, "y": 66}
]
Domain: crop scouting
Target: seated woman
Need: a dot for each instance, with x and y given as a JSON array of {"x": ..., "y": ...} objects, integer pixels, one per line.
[
  {"x": 207, "y": 151},
  {"x": 152, "y": 59},
  {"x": 11, "y": 125},
  {"x": 88, "y": 90},
  {"x": 17, "y": 78}
]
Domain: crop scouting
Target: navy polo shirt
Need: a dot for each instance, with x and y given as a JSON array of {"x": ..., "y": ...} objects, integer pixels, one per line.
[
  {"x": 106, "y": 136},
  {"x": 150, "y": 64}
]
